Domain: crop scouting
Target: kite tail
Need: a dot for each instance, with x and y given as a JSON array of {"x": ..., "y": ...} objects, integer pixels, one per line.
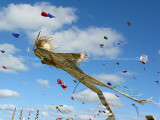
[
  {"x": 94, "y": 81},
  {"x": 155, "y": 103},
  {"x": 134, "y": 99}
]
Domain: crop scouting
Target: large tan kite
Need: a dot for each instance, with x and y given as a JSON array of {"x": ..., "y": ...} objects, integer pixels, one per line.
[{"x": 68, "y": 63}]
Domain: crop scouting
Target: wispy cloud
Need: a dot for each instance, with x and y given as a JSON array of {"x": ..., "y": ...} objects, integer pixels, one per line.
[
  {"x": 88, "y": 96},
  {"x": 89, "y": 39},
  {"x": 12, "y": 63},
  {"x": 28, "y": 17},
  {"x": 7, "y": 107},
  {"x": 5, "y": 93},
  {"x": 108, "y": 78},
  {"x": 44, "y": 83}
]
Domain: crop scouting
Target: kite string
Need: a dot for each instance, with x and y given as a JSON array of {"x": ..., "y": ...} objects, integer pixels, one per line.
[
  {"x": 78, "y": 84},
  {"x": 75, "y": 87}
]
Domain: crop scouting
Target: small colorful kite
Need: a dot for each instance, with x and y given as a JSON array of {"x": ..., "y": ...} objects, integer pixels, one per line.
[
  {"x": 124, "y": 71},
  {"x": 75, "y": 81},
  {"x": 47, "y": 15},
  {"x": 116, "y": 95},
  {"x": 109, "y": 84},
  {"x": 72, "y": 98},
  {"x": 4, "y": 67},
  {"x": 105, "y": 37},
  {"x": 2, "y": 51},
  {"x": 128, "y": 23},
  {"x": 143, "y": 59},
  {"x": 16, "y": 35},
  {"x": 101, "y": 45},
  {"x": 117, "y": 63},
  {"x": 134, "y": 77},
  {"x": 158, "y": 82},
  {"x": 14, "y": 113}
]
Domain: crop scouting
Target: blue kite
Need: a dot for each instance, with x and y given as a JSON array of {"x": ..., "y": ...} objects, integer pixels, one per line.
[
  {"x": 2, "y": 51},
  {"x": 15, "y": 35}
]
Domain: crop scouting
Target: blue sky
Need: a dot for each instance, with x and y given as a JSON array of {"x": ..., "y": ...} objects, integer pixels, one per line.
[{"x": 79, "y": 26}]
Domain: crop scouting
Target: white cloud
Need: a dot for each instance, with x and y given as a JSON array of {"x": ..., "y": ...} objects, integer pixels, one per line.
[
  {"x": 77, "y": 40},
  {"x": 13, "y": 64},
  {"x": 108, "y": 78},
  {"x": 37, "y": 65},
  {"x": 68, "y": 112},
  {"x": 44, "y": 83},
  {"x": 159, "y": 51},
  {"x": 7, "y": 107},
  {"x": 89, "y": 96},
  {"x": 28, "y": 17},
  {"x": 5, "y": 93},
  {"x": 45, "y": 114}
]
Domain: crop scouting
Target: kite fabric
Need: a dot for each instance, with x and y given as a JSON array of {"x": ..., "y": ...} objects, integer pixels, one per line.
[
  {"x": 47, "y": 15},
  {"x": 2, "y": 51},
  {"x": 143, "y": 59},
  {"x": 16, "y": 35}
]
